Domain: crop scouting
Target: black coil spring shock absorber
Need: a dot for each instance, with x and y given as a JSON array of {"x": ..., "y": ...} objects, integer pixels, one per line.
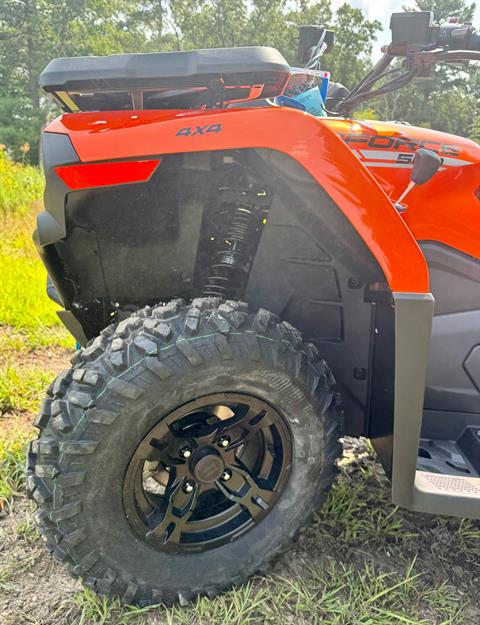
[{"x": 230, "y": 262}]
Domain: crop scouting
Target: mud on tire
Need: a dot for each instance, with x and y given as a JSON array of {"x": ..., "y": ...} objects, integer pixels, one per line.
[{"x": 120, "y": 387}]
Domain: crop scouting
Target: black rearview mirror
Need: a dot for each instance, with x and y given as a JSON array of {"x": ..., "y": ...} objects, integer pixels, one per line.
[
  {"x": 308, "y": 39},
  {"x": 425, "y": 165},
  {"x": 411, "y": 27}
]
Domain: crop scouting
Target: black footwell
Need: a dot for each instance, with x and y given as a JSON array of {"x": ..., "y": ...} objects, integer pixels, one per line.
[{"x": 459, "y": 457}]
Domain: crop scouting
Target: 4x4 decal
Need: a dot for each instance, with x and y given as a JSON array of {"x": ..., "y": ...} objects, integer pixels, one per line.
[{"x": 192, "y": 131}]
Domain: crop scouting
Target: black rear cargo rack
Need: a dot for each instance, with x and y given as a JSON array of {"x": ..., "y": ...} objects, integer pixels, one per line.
[{"x": 166, "y": 80}]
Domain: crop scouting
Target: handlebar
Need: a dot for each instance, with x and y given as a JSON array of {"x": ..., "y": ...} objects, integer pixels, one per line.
[
  {"x": 456, "y": 55},
  {"x": 422, "y": 45},
  {"x": 415, "y": 38},
  {"x": 454, "y": 36}
]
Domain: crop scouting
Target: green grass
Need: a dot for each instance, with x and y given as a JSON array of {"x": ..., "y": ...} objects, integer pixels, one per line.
[
  {"x": 24, "y": 306},
  {"x": 11, "y": 568},
  {"x": 333, "y": 594},
  {"x": 20, "y": 186},
  {"x": 13, "y": 441},
  {"x": 360, "y": 511},
  {"x": 27, "y": 316},
  {"x": 22, "y": 387},
  {"x": 21, "y": 342},
  {"x": 469, "y": 535},
  {"x": 28, "y": 531},
  {"x": 27, "y": 319},
  {"x": 24, "y": 303}
]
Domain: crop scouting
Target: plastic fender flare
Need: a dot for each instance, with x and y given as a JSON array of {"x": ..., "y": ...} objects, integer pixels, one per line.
[{"x": 105, "y": 136}]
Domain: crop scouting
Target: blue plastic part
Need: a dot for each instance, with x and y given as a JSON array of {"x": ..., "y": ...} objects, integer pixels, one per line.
[
  {"x": 324, "y": 87},
  {"x": 312, "y": 102},
  {"x": 285, "y": 100}
]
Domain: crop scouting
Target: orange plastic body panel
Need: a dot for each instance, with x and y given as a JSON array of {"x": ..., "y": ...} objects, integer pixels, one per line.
[
  {"x": 104, "y": 136},
  {"x": 445, "y": 209}
]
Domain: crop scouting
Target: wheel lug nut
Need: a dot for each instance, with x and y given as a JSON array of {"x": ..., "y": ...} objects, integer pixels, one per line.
[
  {"x": 224, "y": 442},
  {"x": 185, "y": 452},
  {"x": 226, "y": 475},
  {"x": 188, "y": 486}
]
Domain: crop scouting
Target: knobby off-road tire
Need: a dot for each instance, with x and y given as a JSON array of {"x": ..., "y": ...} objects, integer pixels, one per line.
[{"x": 120, "y": 387}]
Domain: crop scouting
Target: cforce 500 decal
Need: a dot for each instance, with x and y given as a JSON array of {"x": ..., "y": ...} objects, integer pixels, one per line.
[
  {"x": 382, "y": 142},
  {"x": 192, "y": 131},
  {"x": 398, "y": 152}
]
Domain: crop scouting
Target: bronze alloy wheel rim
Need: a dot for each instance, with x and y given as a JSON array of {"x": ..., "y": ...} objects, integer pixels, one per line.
[{"x": 208, "y": 472}]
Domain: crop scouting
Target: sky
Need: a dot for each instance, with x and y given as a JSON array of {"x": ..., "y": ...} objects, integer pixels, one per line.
[{"x": 382, "y": 9}]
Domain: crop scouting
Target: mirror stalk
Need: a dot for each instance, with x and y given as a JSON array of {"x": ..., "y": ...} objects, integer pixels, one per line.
[{"x": 411, "y": 185}]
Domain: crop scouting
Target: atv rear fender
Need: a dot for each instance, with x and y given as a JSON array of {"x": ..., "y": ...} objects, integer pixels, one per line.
[
  {"x": 299, "y": 146},
  {"x": 121, "y": 135}
]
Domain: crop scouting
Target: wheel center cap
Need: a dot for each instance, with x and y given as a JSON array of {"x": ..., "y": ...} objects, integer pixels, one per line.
[{"x": 209, "y": 468}]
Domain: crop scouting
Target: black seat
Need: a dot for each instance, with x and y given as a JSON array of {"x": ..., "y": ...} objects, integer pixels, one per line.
[{"x": 167, "y": 79}]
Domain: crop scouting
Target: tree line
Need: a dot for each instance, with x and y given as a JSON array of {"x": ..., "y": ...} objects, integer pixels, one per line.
[{"x": 32, "y": 32}]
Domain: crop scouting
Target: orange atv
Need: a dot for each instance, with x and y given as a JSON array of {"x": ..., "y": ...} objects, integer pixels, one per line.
[{"x": 249, "y": 282}]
